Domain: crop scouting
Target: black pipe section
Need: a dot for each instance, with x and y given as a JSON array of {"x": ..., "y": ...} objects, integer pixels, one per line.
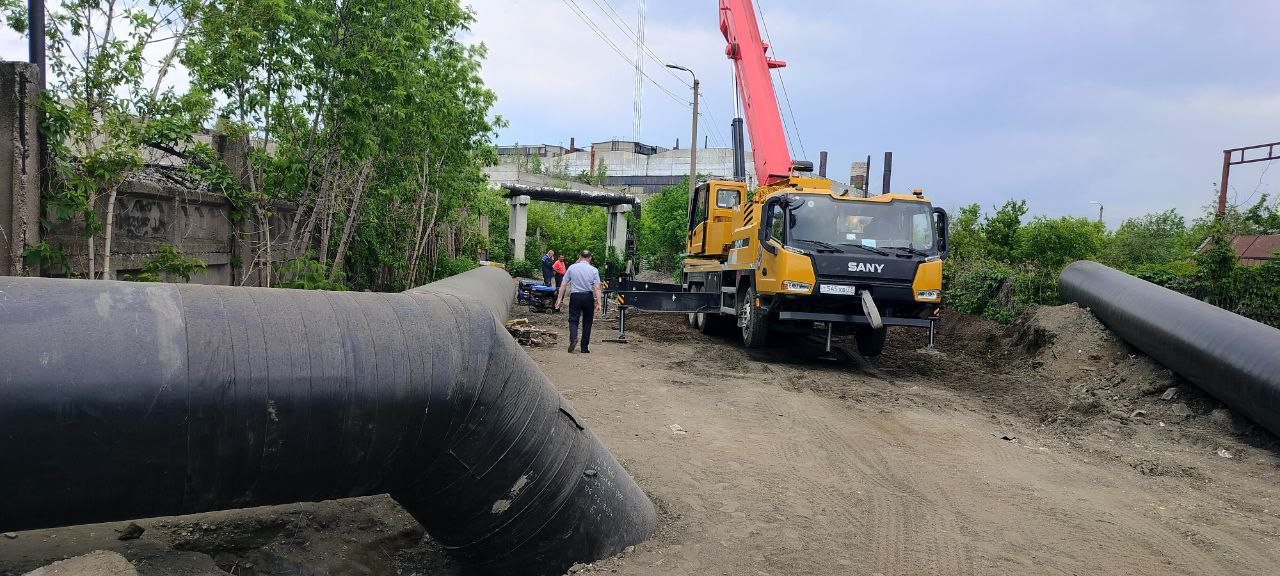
[
  {"x": 36, "y": 39},
  {"x": 1235, "y": 359},
  {"x": 569, "y": 196},
  {"x": 888, "y": 173},
  {"x": 739, "y": 150},
  {"x": 123, "y": 400}
]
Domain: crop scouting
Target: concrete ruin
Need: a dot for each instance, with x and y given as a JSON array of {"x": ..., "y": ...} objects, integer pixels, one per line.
[
  {"x": 518, "y": 197},
  {"x": 155, "y": 206},
  {"x": 19, "y": 165}
]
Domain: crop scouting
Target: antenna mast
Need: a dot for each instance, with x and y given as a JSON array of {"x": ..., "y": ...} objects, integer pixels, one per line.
[{"x": 637, "y": 111}]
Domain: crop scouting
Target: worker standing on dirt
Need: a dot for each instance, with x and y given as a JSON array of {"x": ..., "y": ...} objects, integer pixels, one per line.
[
  {"x": 582, "y": 283},
  {"x": 559, "y": 268},
  {"x": 547, "y": 273}
]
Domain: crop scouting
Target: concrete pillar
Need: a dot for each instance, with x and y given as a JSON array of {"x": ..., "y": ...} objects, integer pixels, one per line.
[
  {"x": 517, "y": 225},
  {"x": 19, "y": 164},
  {"x": 616, "y": 236}
]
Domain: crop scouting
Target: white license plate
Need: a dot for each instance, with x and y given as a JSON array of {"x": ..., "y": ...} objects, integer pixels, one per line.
[{"x": 838, "y": 289}]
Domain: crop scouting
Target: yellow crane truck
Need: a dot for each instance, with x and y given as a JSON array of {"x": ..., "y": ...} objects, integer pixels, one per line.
[{"x": 795, "y": 255}]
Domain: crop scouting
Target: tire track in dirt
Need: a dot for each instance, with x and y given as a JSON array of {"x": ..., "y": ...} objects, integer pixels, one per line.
[{"x": 790, "y": 466}]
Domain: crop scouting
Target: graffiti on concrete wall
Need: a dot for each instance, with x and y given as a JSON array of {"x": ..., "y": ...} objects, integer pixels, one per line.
[{"x": 142, "y": 218}]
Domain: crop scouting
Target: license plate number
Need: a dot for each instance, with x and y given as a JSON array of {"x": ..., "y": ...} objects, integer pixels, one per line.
[{"x": 838, "y": 289}]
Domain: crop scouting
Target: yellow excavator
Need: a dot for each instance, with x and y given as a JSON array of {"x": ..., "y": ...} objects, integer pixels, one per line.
[{"x": 795, "y": 255}]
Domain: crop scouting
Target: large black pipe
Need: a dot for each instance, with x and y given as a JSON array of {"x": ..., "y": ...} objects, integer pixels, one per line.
[
  {"x": 125, "y": 400},
  {"x": 1235, "y": 359}
]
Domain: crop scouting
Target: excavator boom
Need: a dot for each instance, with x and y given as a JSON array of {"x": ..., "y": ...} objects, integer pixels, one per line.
[{"x": 751, "y": 64}]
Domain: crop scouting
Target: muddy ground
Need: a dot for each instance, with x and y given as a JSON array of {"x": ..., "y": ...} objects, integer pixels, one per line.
[{"x": 1047, "y": 447}]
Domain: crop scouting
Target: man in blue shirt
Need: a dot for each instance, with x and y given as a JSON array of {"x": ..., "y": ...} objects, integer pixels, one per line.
[
  {"x": 582, "y": 283},
  {"x": 547, "y": 274}
]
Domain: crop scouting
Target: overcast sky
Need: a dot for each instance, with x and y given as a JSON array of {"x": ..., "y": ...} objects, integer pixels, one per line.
[{"x": 1058, "y": 102}]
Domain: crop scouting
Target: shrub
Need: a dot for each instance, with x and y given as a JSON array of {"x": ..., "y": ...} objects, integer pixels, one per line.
[
  {"x": 306, "y": 273},
  {"x": 453, "y": 266},
  {"x": 524, "y": 269},
  {"x": 169, "y": 262}
]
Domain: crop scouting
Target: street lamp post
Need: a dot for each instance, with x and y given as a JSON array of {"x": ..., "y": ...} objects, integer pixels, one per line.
[
  {"x": 693, "y": 144},
  {"x": 1099, "y": 208}
]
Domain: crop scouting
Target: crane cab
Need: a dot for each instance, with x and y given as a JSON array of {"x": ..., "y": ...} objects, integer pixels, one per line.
[{"x": 715, "y": 210}]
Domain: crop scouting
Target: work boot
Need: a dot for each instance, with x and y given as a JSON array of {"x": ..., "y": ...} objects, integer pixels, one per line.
[
  {"x": 585, "y": 351},
  {"x": 572, "y": 345}
]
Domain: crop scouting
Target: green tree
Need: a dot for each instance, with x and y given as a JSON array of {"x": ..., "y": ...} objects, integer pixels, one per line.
[
  {"x": 966, "y": 239},
  {"x": 1055, "y": 242},
  {"x": 602, "y": 173},
  {"x": 663, "y": 228},
  {"x": 1000, "y": 230},
  {"x": 101, "y": 109},
  {"x": 1150, "y": 239}
]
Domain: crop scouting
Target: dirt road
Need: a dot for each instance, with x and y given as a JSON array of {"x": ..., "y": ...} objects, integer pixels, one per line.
[
  {"x": 780, "y": 464},
  {"x": 1043, "y": 448}
]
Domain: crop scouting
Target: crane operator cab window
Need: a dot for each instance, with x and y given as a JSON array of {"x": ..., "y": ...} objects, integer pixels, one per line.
[
  {"x": 777, "y": 224},
  {"x": 905, "y": 225},
  {"x": 699, "y": 207},
  {"x": 728, "y": 198}
]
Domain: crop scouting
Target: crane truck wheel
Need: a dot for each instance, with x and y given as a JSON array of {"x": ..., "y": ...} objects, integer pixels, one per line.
[
  {"x": 870, "y": 340},
  {"x": 709, "y": 323},
  {"x": 695, "y": 319},
  {"x": 755, "y": 327}
]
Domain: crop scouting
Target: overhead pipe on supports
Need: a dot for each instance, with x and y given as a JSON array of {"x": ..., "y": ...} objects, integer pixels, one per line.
[
  {"x": 123, "y": 400},
  {"x": 1235, "y": 359}
]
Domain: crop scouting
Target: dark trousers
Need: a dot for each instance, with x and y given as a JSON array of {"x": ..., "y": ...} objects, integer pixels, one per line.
[
  {"x": 546, "y": 276},
  {"x": 581, "y": 304}
]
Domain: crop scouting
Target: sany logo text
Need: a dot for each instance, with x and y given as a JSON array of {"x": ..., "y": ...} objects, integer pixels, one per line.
[{"x": 866, "y": 267}]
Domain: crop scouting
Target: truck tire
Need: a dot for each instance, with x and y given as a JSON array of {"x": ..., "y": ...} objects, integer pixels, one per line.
[
  {"x": 755, "y": 327},
  {"x": 695, "y": 320},
  {"x": 709, "y": 323},
  {"x": 870, "y": 341}
]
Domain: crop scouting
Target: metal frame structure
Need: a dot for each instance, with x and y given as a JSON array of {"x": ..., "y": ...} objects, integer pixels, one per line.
[{"x": 1228, "y": 160}]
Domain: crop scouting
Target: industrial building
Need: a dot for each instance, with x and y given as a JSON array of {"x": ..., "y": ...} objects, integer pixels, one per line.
[{"x": 632, "y": 167}]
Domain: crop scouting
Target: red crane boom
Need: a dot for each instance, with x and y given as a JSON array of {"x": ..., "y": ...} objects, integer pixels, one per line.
[{"x": 759, "y": 103}]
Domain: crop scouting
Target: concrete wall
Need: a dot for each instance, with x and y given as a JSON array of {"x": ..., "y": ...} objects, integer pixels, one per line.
[
  {"x": 19, "y": 165},
  {"x": 152, "y": 211},
  {"x": 156, "y": 206}
]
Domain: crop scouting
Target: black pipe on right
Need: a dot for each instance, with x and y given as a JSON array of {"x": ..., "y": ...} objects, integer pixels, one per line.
[{"x": 1235, "y": 359}]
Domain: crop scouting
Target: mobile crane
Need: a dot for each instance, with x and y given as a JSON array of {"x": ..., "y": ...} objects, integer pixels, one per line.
[{"x": 794, "y": 255}]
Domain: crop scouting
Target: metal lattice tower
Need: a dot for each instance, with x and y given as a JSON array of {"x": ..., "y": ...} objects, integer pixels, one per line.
[{"x": 637, "y": 110}]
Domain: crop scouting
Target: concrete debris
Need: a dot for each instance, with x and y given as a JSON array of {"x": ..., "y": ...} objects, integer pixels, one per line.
[
  {"x": 528, "y": 335},
  {"x": 131, "y": 532},
  {"x": 1170, "y": 394},
  {"x": 1223, "y": 452},
  {"x": 1138, "y": 414},
  {"x": 96, "y": 563},
  {"x": 676, "y": 429}
]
